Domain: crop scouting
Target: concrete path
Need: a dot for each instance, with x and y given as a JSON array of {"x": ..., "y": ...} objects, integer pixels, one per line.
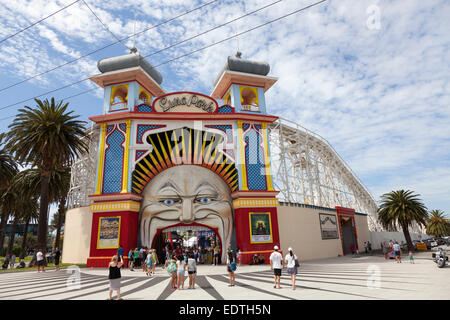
[{"x": 348, "y": 278}]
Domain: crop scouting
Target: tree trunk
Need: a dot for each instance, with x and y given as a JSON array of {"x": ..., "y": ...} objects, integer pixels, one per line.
[
  {"x": 3, "y": 225},
  {"x": 61, "y": 214},
  {"x": 407, "y": 237},
  {"x": 43, "y": 212},
  {"x": 12, "y": 236},
  {"x": 24, "y": 240}
]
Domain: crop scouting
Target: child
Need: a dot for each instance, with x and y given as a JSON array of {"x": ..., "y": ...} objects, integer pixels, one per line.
[
  {"x": 231, "y": 268},
  {"x": 172, "y": 270},
  {"x": 192, "y": 270},
  {"x": 411, "y": 258},
  {"x": 181, "y": 267}
]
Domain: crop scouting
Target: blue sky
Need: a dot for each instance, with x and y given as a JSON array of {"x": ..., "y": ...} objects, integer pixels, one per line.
[{"x": 372, "y": 77}]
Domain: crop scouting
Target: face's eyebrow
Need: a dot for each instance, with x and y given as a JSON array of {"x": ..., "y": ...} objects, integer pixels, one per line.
[
  {"x": 206, "y": 185},
  {"x": 169, "y": 185}
]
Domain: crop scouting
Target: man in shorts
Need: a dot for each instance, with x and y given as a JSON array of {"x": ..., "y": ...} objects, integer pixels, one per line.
[
  {"x": 40, "y": 260},
  {"x": 397, "y": 252},
  {"x": 276, "y": 264}
]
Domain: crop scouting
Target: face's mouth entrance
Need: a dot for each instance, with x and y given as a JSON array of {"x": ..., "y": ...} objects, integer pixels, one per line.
[
  {"x": 188, "y": 235},
  {"x": 182, "y": 235}
]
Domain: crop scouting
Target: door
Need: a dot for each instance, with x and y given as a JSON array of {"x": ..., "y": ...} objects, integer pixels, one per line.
[{"x": 348, "y": 234}]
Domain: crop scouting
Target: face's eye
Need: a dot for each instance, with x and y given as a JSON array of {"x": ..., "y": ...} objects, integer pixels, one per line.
[
  {"x": 204, "y": 200},
  {"x": 170, "y": 202}
]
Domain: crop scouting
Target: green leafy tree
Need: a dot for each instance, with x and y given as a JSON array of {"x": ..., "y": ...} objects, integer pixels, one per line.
[
  {"x": 47, "y": 137},
  {"x": 437, "y": 225},
  {"x": 8, "y": 169},
  {"x": 402, "y": 208}
]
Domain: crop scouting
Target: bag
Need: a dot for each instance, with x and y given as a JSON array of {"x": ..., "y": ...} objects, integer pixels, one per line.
[
  {"x": 233, "y": 266},
  {"x": 171, "y": 267},
  {"x": 296, "y": 263}
]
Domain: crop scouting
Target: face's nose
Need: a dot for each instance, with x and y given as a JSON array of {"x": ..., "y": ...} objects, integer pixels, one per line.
[{"x": 187, "y": 211}]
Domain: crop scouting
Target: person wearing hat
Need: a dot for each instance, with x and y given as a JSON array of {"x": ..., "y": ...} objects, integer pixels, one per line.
[
  {"x": 291, "y": 265},
  {"x": 276, "y": 264}
]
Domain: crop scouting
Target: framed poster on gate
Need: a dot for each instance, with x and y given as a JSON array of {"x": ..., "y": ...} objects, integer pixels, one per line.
[
  {"x": 328, "y": 226},
  {"x": 108, "y": 233},
  {"x": 260, "y": 227}
]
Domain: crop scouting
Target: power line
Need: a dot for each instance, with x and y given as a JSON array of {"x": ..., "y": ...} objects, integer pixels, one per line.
[
  {"x": 70, "y": 97},
  {"x": 104, "y": 25},
  {"x": 212, "y": 29},
  {"x": 31, "y": 25},
  {"x": 187, "y": 54},
  {"x": 182, "y": 41},
  {"x": 107, "y": 46}
]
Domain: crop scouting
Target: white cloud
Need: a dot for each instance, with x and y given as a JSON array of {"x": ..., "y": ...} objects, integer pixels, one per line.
[{"x": 380, "y": 97}]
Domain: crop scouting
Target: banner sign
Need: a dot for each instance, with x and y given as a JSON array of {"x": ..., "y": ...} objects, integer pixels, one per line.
[
  {"x": 108, "y": 233},
  {"x": 185, "y": 102},
  {"x": 328, "y": 226},
  {"x": 260, "y": 227}
]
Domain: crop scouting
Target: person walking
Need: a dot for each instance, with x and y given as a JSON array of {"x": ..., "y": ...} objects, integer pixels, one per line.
[
  {"x": 120, "y": 253},
  {"x": 239, "y": 257},
  {"x": 195, "y": 251},
  {"x": 385, "y": 248},
  {"x": 231, "y": 268},
  {"x": 216, "y": 255},
  {"x": 366, "y": 247},
  {"x": 276, "y": 264},
  {"x": 397, "y": 252},
  {"x": 192, "y": 270},
  {"x": 137, "y": 259},
  {"x": 40, "y": 260},
  {"x": 291, "y": 266},
  {"x": 411, "y": 258},
  {"x": 155, "y": 260},
  {"x": 114, "y": 276},
  {"x": 56, "y": 257},
  {"x": 369, "y": 246},
  {"x": 131, "y": 260},
  {"x": 181, "y": 270},
  {"x": 149, "y": 264}
]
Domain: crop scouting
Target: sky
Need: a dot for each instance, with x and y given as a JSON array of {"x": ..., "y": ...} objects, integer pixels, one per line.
[{"x": 370, "y": 76}]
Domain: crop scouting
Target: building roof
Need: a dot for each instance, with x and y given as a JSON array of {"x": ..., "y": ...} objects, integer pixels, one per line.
[
  {"x": 242, "y": 65},
  {"x": 129, "y": 61}
]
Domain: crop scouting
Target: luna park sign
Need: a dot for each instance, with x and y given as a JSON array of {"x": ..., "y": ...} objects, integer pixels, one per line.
[{"x": 185, "y": 102}]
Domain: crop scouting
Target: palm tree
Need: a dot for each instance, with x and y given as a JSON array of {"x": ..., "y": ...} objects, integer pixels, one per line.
[
  {"x": 46, "y": 137},
  {"x": 437, "y": 224},
  {"x": 26, "y": 184},
  {"x": 60, "y": 182},
  {"x": 401, "y": 208},
  {"x": 8, "y": 169},
  {"x": 59, "y": 185}
]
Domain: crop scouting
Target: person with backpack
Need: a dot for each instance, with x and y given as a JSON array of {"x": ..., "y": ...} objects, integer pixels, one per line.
[
  {"x": 231, "y": 268},
  {"x": 192, "y": 270},
  {"x": 291, "y": 265}
]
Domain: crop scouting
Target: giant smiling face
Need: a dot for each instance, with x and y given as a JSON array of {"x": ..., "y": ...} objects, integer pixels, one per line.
[{"x": 186, "y": 194}]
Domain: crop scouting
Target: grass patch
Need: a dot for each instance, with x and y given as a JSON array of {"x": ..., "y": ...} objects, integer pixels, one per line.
[{"x": 50, "y": 266}]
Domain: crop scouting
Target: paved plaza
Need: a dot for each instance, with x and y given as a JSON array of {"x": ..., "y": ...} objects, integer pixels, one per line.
[{"x": 343, "y": 278}]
